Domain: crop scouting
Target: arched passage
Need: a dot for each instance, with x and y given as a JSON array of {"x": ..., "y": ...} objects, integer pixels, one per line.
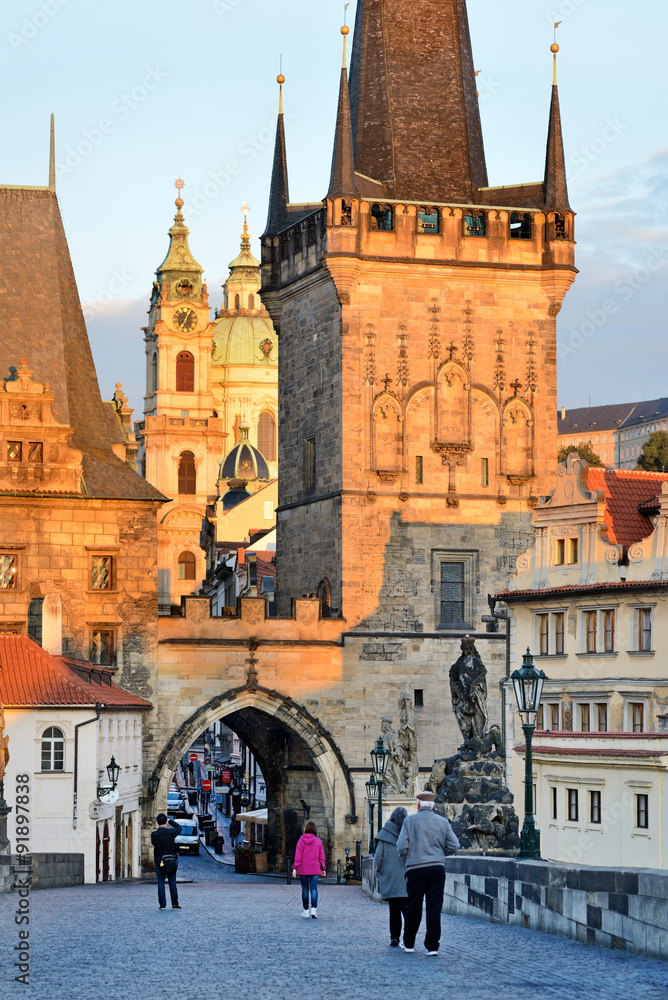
[{"x": 298, "y": 757}]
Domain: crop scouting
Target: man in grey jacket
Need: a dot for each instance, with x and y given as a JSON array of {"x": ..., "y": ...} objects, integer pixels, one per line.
[{"x": 426, "y": 839}]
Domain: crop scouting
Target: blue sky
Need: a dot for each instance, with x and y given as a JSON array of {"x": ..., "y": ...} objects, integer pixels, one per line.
[{"x": 145, "y": 92}]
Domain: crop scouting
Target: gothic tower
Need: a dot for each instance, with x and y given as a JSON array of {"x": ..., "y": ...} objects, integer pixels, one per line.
[
  {"x": 416, "y": 311},
  {"x": 181, "y": 438}
]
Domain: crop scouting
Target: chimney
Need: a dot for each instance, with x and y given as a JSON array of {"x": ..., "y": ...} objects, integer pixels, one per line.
[
  {"x": 563, "y": 412},
  {"x": 52, "y": 624}
]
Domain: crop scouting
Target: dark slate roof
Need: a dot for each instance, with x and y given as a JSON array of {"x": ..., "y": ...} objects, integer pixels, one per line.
[
  {"x": 244, "y": 462},
  {"x": 653, "y": 409},
  {"x": 342, "y": 180},
  {"x": 593, "y": 419},
  {"x": 41, "y": 320},
  {"x": 555, "y": 184}
]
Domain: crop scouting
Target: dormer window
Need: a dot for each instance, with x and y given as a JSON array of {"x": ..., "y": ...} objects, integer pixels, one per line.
[
  {"x": 521, "y": 226},
  {"x": 382, "y": 218},
  {"x": 427, "y": 221},
  {"x": 475, "y": 223}
]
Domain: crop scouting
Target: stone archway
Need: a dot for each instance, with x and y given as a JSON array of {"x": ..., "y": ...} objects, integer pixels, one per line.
[{"x": 299, "y": 759}]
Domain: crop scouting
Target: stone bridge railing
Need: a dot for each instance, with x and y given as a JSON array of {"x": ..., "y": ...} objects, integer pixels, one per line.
[{"x": 626, "y": 909}]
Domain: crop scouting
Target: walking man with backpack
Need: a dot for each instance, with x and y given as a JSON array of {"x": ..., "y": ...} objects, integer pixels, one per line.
[
  {"x": 165, "y": 853},
  {"x": 426, "y": 839}
]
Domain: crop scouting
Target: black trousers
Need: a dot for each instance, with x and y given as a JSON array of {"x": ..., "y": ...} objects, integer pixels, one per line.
[
  {"x": 429, "y": 884},
  {"x": 397, "y": 907}
]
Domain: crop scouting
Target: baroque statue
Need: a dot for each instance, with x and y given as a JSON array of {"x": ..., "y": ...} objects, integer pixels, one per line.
[
  {"x": 402, "y": 766},
  {"x": 468, "y": 687}
]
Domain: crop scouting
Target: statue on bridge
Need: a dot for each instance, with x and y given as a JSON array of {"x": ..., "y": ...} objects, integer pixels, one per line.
[
  {"x": 468, "y": 688},
  {"x": 402, "y": 767}
]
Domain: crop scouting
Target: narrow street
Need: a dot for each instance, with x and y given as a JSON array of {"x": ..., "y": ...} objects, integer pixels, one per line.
[{"x": 243, "y": 937}]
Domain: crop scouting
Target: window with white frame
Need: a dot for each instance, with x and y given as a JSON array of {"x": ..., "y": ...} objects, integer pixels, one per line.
[
  {"x": 642, "y": 811},
  {"x": 572, "y": 805},
  {"x": 595, "y": 814},
  {"x": 53, "y": 749},
  {"x": 642, "y": 630},
  {"x": 598, "y": 630},
  {"x": 566, "y": 551},
  {"x": 549, "y": 632},
  {"x": 591, "y": 716},
  {"x": 636, "y": 716},
  {"x": 548, "y": 716}
]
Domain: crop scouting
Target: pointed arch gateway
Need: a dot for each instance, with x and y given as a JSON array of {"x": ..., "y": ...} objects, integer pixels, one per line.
[{"x": 298, "y": 757}]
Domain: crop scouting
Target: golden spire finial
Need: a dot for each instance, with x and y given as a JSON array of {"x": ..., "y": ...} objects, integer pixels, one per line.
[
  {"x": 280, "y": 80},
  {"x": 554, "y": 48},
  {"x": 179, "y": 185},
  {"x": 246, "y": 212},
  {"x": 345, "y": 31}
]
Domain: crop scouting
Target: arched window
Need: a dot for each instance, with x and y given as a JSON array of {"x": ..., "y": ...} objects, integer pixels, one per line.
[
  {"x": 251, "y": 302},
  {"x": 427, "y": 220},
  {"x": 187, "y": 474},
  {"x": 475, "y": 223},
  {"x": 237, "y": 302},
  {"x": 187, "y": 566},
  {"x": 154, "y": 372},
  {"x": 325, "y": 598},
  {"x": 266, "y": 436},
  {"x": 53, "y": 749},
  {"x": 185, "y": 372},
  {"x": 382, "y": 218},
  {"x": 521, "y": 226}
]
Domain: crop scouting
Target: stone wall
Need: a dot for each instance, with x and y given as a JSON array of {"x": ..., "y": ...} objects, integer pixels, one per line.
[
  {"x": 625, "y": 909},
  {"x": 49, "y": 871}
]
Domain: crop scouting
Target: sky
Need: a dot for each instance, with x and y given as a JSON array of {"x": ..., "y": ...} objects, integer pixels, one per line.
[{"x": 145, "y": 92}]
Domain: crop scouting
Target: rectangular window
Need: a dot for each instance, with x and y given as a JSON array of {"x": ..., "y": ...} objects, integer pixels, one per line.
[
  {"x": 642, "y": 812},
  {"x": 540, "y": 718},
  {"x": 637, "y": 710},
  {"x": 14, "y": 451},
  {"x": 609, "y": 631},
  {"x": 560, "y": 552},
  {"x": 268, "y": 510},
  {"x": 573, "y": 808},
  {"x": 419, "y": 470},
  {"x": 418, "y": 698},
  {"x": 452, "y": 593},
  {"x": 585, "y": 717},
  {"x": 309, "y": 463},
  {"x": 7, "y": 572},
  {"x": 601, "y": 717},
  {"x": 484, "y": 472},
  {"x": 590, "y": 631},
  {"x": 102, "y": 647},
  {"x": 554, "y": 716},
  {"x": 554, "y": 796},
  {"x": 573, "y": 551},
  {"x": 35, "y": 451},
  {"x": 101, "y": 572},
  {"x": 559, "y": 633},
  {"x": 644, "y": 622},
  {"x": 595, "y": 807},
  {"x": 544, "y": 632}
]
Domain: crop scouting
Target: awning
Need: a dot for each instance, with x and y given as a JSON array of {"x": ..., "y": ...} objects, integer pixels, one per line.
[{"x": 260, "y": 816}]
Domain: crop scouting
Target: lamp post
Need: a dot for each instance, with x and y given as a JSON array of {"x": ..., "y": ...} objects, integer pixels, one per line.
[
  {"x": 380, "y": 758},
  {"x": 528, "y": 685},
  {"x": 372, "y": 795},
  {"x": 153, "y": 783}
]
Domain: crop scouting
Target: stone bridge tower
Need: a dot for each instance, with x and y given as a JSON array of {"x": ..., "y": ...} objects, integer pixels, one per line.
[{"x": 416, "y": 309}]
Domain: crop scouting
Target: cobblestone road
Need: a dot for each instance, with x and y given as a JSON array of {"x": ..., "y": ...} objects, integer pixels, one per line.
[{"x": 243, "y": 937}]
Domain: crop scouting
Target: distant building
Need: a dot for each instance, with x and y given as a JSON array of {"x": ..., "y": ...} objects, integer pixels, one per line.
[
  {"x": 617, "y": 432},
  {"x": 589, "y": 601}
]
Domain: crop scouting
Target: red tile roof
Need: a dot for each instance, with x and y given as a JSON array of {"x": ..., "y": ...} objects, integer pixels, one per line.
[
  {"x": 590, "y": 751},
  {"x": 583, "y": 588},
  {"x": 626, "y": 490},
  {"x": 30, "y": 677}
]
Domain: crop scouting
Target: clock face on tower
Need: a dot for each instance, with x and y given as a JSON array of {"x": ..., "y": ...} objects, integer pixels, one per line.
[{"x": 185, "y": 319}]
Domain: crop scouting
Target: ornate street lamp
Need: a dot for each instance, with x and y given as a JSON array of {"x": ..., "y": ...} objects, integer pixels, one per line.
[
  {"x": 528, "y": 685},
  {"x": 245, "y": 798},
  {"x": 113, "y": 771},
  {"x": 380, "y": 758},
  {"x": 109, "y": 795},
  {"x": 153, "y": 783},
  {"x": 372, "y": 790}
]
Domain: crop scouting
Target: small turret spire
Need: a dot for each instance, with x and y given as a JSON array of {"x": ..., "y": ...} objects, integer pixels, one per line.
[
  {"x": 279, "y": 195},
  {"x": 179, "y": 256},
  {"x": 342, "y": 181},
  {"x": 555, "y": 185},
  {"x": 52, "y": 156}
]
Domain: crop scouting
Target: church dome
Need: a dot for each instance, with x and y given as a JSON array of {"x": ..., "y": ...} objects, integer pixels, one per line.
[{"x": 244, "y": 461}]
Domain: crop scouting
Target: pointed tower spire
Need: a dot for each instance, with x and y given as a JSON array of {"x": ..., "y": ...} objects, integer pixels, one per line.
[
  {"x": 555, "y": 184},
  {"x": 415, "y": 114},
  {"x": 52, "y": 156},
  {"x": 342, "y": 182},
  {"x": 279, "y": 195}
]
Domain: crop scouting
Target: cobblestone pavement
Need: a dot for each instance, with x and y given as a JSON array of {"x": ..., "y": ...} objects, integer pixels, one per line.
[{"x": 243, "y": 937}]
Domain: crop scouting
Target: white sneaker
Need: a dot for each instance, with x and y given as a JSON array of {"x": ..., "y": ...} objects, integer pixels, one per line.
[
  {"x": 409, "y": 951},
  {"x": 314, "y": 913},
  {"x": 432, "y": 954},
  {"x": 306, "y": 914}
]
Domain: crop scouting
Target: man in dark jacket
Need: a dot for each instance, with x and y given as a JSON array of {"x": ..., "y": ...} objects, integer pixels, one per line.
[
  {"x": 163, "y": 843},
  {"x": 426, "y": 839}
]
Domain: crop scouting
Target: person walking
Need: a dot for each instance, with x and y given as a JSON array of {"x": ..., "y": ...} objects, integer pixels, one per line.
[
  {"x": 309, "y": 864},
  {"x": 426, "y": 839},
  {"x": 392, "y": 872},
  {"x": 235, "y": 829},
  {"x": 166, "y": 857}
]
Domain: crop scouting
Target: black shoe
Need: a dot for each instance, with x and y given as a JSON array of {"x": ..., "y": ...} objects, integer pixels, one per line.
[
  {"x": 177, "y": 907},
  {"x": 394, "y": 943},
  {"x": 162, "y": 907}
]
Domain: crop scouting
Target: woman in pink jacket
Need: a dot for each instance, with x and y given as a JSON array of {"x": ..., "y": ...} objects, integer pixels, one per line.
[{"x": 309, "y": 863}]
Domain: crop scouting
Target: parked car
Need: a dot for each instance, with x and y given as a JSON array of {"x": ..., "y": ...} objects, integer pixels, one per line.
[
  {"x": 188, "y": 839},
  {"x": 175, "y": 803}
]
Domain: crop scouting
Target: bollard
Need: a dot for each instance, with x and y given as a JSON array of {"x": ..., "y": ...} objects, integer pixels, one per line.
[
  {"x": 288, "y": 871},
  {"x": 358, "y": 859},
  {"x": 338, "y": 872}
]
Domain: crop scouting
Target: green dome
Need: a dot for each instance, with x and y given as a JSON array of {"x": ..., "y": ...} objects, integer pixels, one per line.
[{"x": 244, "y": 340}]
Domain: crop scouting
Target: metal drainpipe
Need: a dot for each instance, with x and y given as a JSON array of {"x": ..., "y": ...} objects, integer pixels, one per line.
[{"x": 98, "y": 709}]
